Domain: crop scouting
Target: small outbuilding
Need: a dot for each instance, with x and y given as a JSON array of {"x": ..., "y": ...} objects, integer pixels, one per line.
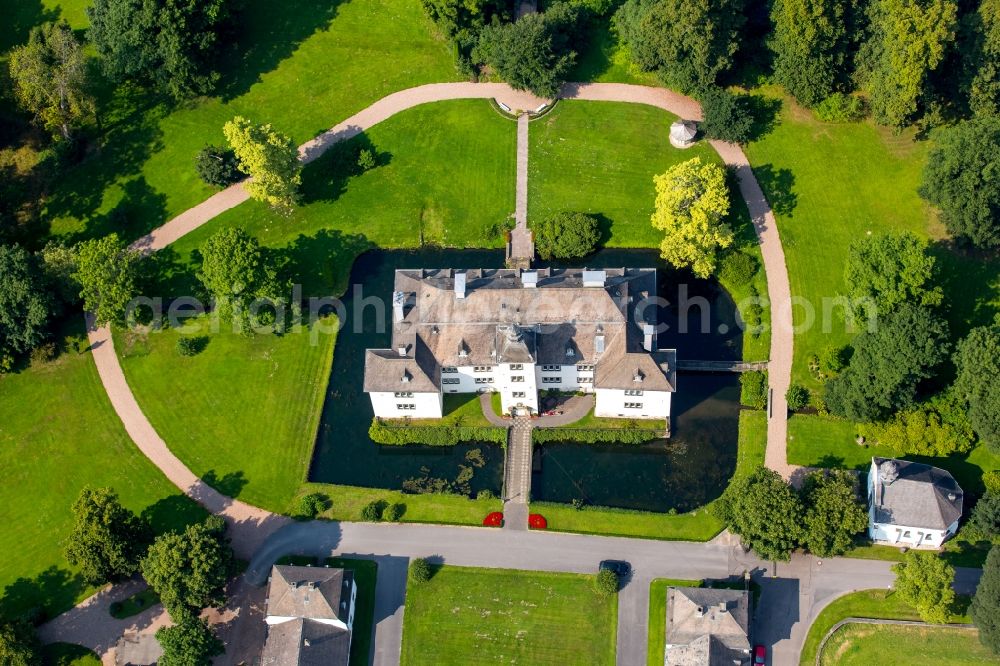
[
  {"x": 683, "y": 133},
  {"x": 912, "y": 504}
]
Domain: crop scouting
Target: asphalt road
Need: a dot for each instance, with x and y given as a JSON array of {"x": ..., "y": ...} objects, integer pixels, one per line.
[{"x": 792, "y": 595}]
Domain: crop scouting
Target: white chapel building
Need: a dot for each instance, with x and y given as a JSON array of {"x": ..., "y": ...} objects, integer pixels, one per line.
[{"x": 520, "y": 332}]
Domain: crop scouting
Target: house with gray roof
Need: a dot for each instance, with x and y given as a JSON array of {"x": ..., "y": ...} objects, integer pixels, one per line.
[
  {"x": 912, "y": 504},
  {"x": 309, "y": 616},
  {"x": 707, "y": 627},
  {"x": 517, "y": 332}
]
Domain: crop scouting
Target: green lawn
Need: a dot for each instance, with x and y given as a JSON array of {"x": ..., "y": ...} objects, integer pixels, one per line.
[
  {"x": 459, "y": 409},
  {"x": 302, "y": 65},
  {"x": 864, "y": 644},
  {"x": 67, "y": 654},
  {"x": 699, "y": 525},
  {"x": 878, "y": 604},
  {"x": 135, "y": 604},
  {"x": 365, "y": 575},
  {"x": 58, "y": 433},
  {"x": 656, "y": 643},
  {"x": 348, "y": 501},
  {"x": 243, "y": 413},
  {"x": 831, "y": 184},
  {"x": 499, "y": 616},
  {"x": 589, "y": 421}
]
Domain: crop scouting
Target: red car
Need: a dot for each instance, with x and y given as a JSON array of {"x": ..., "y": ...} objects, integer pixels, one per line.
[{"x": 759, "y": 655}]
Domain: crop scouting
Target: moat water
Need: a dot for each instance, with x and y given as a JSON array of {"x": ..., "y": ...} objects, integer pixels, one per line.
[{"x": 682, "y": 473}]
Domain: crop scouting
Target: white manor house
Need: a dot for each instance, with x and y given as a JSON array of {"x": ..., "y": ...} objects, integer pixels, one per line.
[{"x": 518, "y": 332}]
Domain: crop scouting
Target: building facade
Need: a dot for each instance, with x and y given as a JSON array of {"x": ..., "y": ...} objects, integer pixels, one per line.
[
  {"x": 912, "y": 504},
  {"x": 519, "y": 333}
]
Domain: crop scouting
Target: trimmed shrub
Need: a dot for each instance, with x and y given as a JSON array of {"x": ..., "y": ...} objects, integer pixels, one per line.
[
  {"x": 396, "y": 435},
  {"x": 595, "y": 435},
  {"x": 753, "y": 389},
  {"x": 44, "y": 353},
  {"x": 420, "y": 570},
  {"x": 834, "y": 358},
  {"x": 191, "y": 346},
  {"x": 797, "y": 397},
  {"x": 394, "y": 512},
  {"x": 566, "y": 236},
  {"x": 840, "y": 108},
  {"x": 606, "y": 583},
  {"x": 366, "y": 160},
  {"x": 372, "y": 512},
  {"x": 217, "y": 166},
  {"x": 738, "y": 268},
  {"x": 313, "y": 504}
]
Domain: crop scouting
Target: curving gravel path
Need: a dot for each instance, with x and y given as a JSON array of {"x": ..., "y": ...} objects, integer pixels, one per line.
[{"x": 250, "y": 526}]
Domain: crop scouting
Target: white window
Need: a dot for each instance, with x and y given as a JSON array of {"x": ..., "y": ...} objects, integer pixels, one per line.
[
  {"x": 481, "y": 368},
  {"x": 516, "y": 366},
  {"x": 550, "y": 368},
  {"x": 484, "y": 380},
  {"x": 585, "y": 368},
  {"x": 584, "y": 380},
  {"x": 449, "y": 369},
  {"x": 633, "y": 392},
  {"x": 517, "y": 378},
  {"x": 633, "y": 405},
  {"x": 551, "y": 380},
  {"x": 405, "y": 406},
  {"x": 451, "y": 380},
  {"x": 518, "y": 394},
  {"x": 402, "y": 394}
]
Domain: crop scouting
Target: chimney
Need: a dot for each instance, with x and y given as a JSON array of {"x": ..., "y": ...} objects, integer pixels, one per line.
[
  {"x": 305, "y": 642},
  {"x": 638, "y": 377},
  {"x": 459, "y": 285},
  {"x": 398, "y": 301},
  {"x": 647, "y": 337},
  {"x": 594, "y": 278},
  {"x": 401, "y": 349},
  {"x": 406, "y": 377},
  {"x": 700, "y": 611},
  {"x": 723, "y": 608},
  {"x": 529, "y": 279}
]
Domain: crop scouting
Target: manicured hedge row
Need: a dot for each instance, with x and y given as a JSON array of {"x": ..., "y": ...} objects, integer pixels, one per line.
[
  {"x": 384, "y": 433},
  {"x": 595, "y": 435}
]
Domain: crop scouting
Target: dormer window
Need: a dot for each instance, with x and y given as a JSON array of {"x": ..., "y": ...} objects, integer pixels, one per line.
[
  {"x": 570, "y": 352},
  {"x": 406, "y": 377},
  {"x": 638, "y": 377}
]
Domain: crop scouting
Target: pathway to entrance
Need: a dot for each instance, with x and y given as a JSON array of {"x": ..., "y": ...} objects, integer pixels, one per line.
[
  {"x": 521, "y": 250},
  {"x": 517, "y": 476}
]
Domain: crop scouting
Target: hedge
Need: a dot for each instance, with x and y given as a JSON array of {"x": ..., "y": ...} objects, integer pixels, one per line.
[
  {"x": 443, "y": 435},
  {"x": 596, "y": 435}
]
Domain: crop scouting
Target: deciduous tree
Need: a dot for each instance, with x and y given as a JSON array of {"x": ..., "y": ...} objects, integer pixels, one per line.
[
  {"x": 888, "y": 270},
  {"x": 691, "y": 201},
  {"x": 191, "y": 642},
  {"x": 962, "y": 178},
  {"x": 108, "y": 273},
  {"x": 765, "y": 512},
  {"x": 982, "y": 58},
  {"x": 985, "y": 609},
  {"x": 18, "y": 645},
  {"x": 269, "y": 158},
  {"x": 25, "y": 304},
  {"x": 908, "y": 41},
  {"x": 462, "y": 20},
  {"x": 50, "y": 78},
  {"x": 978, "y": 362},
  {"x": 107, "y": 539},
  {"x": 566, "y": 236},
  {"x": 833, "y": 513},
  {"x": 189, "y": 570},
  {"x": 938, "y": 427},
  {"x": 811, "y": 43},
  {"x": 688, "y": 42},
  {"x": 728, "y": 117},
  {"x": 888, "y": 363},
  {"x": 923, "y": 580},
  {"x": 169, "y": 42},
  {"x": 237, "y": 271}
]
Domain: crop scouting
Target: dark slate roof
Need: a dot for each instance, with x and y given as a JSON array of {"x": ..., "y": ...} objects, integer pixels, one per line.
[
  {"x": 707, "y": 626},
  {"x": 919, "y": 496},
  {"x": 303, "y": 642}
]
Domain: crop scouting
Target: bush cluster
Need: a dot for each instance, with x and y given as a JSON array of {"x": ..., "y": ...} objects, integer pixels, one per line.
[
  {"x": 738, "y": 268},
  {"x": 840, "y": 108},
  {"x": 396, "y": 435},
  {"x": 217, "y": 166},
  {"x": 753, "y": 389},
  {"x": 595, "y": 435}
]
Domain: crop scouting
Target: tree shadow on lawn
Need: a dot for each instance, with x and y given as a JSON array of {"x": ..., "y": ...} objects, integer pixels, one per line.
[
  {"x": 41, "y": 598},
  {"x": 20, "y": 17},
  {"x": 140, "y": 210},
  {"x": 764, "y": 111},
  {"x": 264, "y": 34},
  {"x": 779, "y": 187},
  {"x": 321, "y": 263},
  {"x": 173, "y": 514},
  {"x": 326, "y": 179},
  {"x": 971, "y": 283},
  {"x": 230, "y": 485}
]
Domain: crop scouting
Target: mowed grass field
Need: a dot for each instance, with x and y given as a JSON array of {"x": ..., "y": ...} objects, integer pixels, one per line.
[
  {"x": 58, "y": 433},
  {"x": 864, "y": 644},
  {"x": 498, "y": 616},
  {"x": 301, "y": 65},
  {"x": 831, "y": 184},
  {"x": 243, "y": 413},
  {"x": 877, "y": 604}
]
